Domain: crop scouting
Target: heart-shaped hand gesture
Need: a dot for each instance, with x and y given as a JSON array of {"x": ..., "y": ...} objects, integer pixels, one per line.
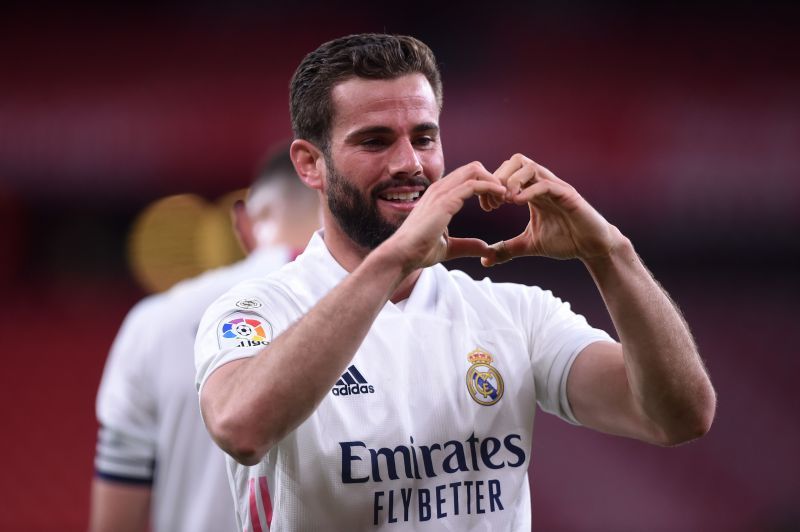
[{"x": 562, "y": 225}]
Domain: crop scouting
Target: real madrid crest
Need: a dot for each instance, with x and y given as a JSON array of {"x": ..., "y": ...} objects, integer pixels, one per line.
[{"x": 484, "y": 382}]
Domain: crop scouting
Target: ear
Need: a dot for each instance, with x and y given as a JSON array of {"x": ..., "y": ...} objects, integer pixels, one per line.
[
  {"x": 309, "y": 163},
  {"x": 243, "y": 226}
]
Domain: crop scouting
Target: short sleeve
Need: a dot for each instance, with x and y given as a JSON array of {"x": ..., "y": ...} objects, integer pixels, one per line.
[
  {"x": 556, "y": 336},
  {"x": 240, "y": 324},
  {"x": 126, "y": 411}
]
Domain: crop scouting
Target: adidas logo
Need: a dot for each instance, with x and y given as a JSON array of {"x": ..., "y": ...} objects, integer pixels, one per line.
[{"x": 352, "y": 383}]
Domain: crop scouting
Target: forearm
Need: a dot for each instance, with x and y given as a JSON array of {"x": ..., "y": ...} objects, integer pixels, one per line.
[
  {"x": 256, "y": 404},
  {"x": 667, "y": 381},
  {"x": 119, "y": 507}
]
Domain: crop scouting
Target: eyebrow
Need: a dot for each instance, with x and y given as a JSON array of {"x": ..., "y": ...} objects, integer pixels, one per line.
[{"x": 384, "y": 130}]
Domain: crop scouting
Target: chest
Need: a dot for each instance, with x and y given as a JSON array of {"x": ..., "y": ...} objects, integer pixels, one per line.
[{"x": 429, "y": 379}]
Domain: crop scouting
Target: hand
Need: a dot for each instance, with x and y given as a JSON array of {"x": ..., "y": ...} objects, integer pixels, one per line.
[
  {"x": 562, "y": 226},
  {"x": 422, "y": 240}
]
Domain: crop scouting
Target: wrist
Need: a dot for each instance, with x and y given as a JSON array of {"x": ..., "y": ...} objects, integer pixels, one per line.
[
  {"x": 383, "y": 263},
  {"x": 401, "y": 251},
  {"x": 619, "y": 251}
]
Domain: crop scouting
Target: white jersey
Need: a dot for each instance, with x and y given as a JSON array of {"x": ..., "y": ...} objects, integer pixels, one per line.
[
  {"x": 151, "y": 432},
  {"x": 429, "y": 426}
]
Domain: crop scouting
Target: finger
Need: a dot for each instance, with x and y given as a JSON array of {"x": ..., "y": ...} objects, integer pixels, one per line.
[
  {"x": 466, "y": 247},
  {"x": 554, "y": 191},
  {"x": 478, "y": 188},
  {"x": 498, "y": 201},
  {"x": 452, "y": 201},
  {"x": 472, "y": 171},
  {"x": 499, "y": 254},
  {"x": 505, "y": 250},
  {"x": 492, "y": 201},
  {"x": 521, "y": 178},
  {"x": 519, "y": 246},
  {"x": 514, "y": 163},
  {"x": 486, "y": 205},
  {"x": 545, "y": 173},
  {"x": 505, "y": 170}
]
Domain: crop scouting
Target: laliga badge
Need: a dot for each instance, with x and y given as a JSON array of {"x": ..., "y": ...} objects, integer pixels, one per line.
[
  {"x": 484, "y": 382},
  {"x": 248, "y": 304},
  {"x": 244, "y": 329}
]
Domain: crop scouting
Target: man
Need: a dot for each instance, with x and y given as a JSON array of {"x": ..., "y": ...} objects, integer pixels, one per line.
[
  {"x": 155, "y": 462},
  {"x": 393, "y": 392}
]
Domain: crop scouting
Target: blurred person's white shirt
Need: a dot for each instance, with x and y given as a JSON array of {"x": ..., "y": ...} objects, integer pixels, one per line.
[{"x": 151, "y": 432}]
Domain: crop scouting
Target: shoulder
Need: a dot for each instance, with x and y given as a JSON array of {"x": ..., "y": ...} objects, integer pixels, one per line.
[
  {"x": 300, "y": 283},
  {"x": 144, "y": 313},
  {"x": 137, "y": 342},
  {"x": 260, "y": 297},
  {"x": 279, "y": 298}
]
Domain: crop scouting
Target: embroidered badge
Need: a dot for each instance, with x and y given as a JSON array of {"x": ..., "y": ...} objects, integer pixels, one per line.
[
  {"x": 248, "y": 304},
  {"x": 484, "y": 382},
  {"x": 244, "y": 329}
]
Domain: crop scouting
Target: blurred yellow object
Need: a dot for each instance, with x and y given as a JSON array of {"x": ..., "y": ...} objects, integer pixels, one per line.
[
  {"x": 181, "y": 236},
  {"x": 163, "y": 240},
  {"x": 217, "y": 244}
]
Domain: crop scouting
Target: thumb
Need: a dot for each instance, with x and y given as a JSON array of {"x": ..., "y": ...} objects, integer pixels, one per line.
[
  {"x": 505, "y": 250},
  {"x": 467, "y": 247}
]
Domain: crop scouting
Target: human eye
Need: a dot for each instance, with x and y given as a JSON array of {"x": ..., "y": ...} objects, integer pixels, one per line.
[
  {"x": 425, "y": 141},
  {"x": 373, "y": 143}
]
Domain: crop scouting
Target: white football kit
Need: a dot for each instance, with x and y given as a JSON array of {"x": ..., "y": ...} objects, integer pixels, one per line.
[
  {"x": 151, "y": 432},
  {"x": 429, "y": 426}
]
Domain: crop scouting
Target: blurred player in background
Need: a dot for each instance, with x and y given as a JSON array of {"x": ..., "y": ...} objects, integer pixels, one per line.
[{"x": 155, "y": 464}]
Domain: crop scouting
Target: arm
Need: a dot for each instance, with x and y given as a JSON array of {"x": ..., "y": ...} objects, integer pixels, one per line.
[
  {"x": 126, "y": 439},
  {"x": 247, "y": 410},
  {"x": 118, "y": 507},
  {"x": 653, "y": 385}
]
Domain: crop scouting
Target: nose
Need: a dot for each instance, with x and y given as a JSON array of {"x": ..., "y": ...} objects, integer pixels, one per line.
[{"x": 404, "y": 160}]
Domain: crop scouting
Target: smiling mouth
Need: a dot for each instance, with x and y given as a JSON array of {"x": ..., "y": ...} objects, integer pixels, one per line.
[{"x": 401, "y": 197}]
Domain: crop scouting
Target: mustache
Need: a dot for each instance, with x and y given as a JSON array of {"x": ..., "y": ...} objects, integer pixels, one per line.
[{"x": 416, "y": 181}]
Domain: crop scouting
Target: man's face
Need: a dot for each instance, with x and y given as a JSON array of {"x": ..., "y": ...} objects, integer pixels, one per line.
[{"x": 384, "y": 153}]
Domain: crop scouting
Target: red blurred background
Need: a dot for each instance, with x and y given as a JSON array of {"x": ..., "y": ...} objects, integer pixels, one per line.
[{"x": 680, "y": 123}]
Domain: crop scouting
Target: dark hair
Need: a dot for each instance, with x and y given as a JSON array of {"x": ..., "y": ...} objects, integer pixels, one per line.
[{"x": 367, "y": 55}]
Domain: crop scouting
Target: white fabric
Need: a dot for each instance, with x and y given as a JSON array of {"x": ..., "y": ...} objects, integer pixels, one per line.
[
  {"x": 413, "y": 449},
  {"x": 151, "y": 429}
]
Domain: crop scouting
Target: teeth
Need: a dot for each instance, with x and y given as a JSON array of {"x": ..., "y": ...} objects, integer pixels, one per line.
[{"x": 401, "y": 196}]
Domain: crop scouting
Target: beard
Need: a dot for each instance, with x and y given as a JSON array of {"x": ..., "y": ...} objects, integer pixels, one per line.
[{"x": 357, "y": 214}]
